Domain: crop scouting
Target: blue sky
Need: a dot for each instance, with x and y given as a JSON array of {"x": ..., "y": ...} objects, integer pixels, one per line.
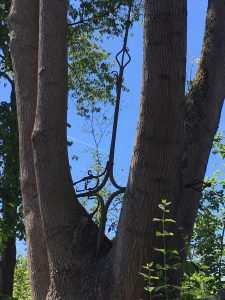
[{"x": 83, "y": 143}]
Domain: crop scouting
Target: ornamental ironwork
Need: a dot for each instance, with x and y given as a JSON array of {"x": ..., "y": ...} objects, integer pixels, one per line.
[{"x": 91, "y": 189}]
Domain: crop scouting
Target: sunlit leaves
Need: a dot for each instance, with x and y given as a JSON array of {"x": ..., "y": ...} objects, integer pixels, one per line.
[
  {"x": 21, "y": 289},
  {"x": 11, "y": 222},
  {"x": 91, "y": 81}
]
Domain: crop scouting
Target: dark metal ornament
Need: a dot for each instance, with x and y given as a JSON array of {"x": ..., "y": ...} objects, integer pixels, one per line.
[
  {"x": 123, "y": 58},
  {"x": 108, "y": 174}
]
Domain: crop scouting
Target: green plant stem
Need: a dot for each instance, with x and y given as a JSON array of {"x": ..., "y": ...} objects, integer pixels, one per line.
[
  {"x": 150, "y": 294},
  {"x": 221, "y": 252},
  {"x": 164, "y": 254}
]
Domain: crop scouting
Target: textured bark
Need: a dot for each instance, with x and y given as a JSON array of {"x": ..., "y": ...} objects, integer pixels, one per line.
[
  {"x": 7, "y": 267},
  {"x": 70, "y": 235},
  {"x": 23, "y": 25},
  {"x": 156, "y": 164},
  {"x": 202, "y": 114}
]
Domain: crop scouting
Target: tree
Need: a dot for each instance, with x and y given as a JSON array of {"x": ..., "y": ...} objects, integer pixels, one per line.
[
  {"x": 207, "y": 245},
  {"x": 21, "y": 282},
  {"x": 10, "y": 197},
  {"x": 11, "y": 213},
  {"x": 88, "y": 56},
  {"x": 168, "y": 161}
]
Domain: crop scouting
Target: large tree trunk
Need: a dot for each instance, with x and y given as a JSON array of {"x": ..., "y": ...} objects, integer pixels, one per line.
[
  {"x": 23, "y": 25},
  {"x": 62, "y": 214},
  {"x": 155, "y": 172},
  {"x": 157, "y": 165},
  {"x": 70, "y": 235}
]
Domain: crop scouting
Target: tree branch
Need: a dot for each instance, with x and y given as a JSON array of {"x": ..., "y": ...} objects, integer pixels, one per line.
[
  {"x": 156, "y": 163},
  {"x": 23, "y": 29},
  {"x": 202, "y": 113},
  {"x": 82, "y": 21},
  {"x": 7, "y": 77}
]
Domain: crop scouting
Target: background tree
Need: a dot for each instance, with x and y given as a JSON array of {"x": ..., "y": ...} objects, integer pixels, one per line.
[
  {"x": 84, "y": 57},
  {"x": 207, "y": 245},
  {"x": 11, "y": 224},
  {"x": 21, "y": 289}
]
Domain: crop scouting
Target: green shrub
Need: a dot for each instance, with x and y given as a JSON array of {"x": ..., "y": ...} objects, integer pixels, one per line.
[{"x": 21, "y": 289}]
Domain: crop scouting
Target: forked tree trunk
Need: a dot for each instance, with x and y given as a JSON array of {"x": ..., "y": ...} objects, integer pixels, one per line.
[
  {"x": 69, "y": 234},
  {"x": 156, "y": 169}
]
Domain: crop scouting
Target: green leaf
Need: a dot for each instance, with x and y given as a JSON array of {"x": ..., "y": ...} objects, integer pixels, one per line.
[
  {"x": 158, "y": 233},
  {"x": 177, "y": 287},
  {"x": 170, "y": 221},
  {"x": 157, "y": 220},
  {"x": 173, "y": 251},
  {"x": 164, "y": 233},
  {"x": 160, "y": 250},
  {"x": 189, "y": 268},
  {"x": 144, "y": 275},
  {"x": 159, "y": 267},
  {"x": 149, "y": 289},
  {"x": 163, "y": 201},
  {"x": 168, "y": 233},
  {"x": 154, "y": 277},
  {"x": 162, "y": 207},
  {"x": 158, "y": 288},
  {"x": 207, "y": 278},
  {"x": 204, "y": 267}
]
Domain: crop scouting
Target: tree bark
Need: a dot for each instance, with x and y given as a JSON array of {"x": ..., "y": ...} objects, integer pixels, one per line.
[
  {"x": 23, "y": 25},
  {"x": 69, "y": 233},
  {"x": 157, "y": 169},
  {"x": 155, "y": 172},
  {"x": 202, "y": 115},
  {"x": 7, "y": 267}
]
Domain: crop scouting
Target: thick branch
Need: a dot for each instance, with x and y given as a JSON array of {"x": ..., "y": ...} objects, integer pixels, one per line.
[
  {"x": 70, "y": 235},
  {"x": 23, "y": 27},
  {"x": 202, "y": 113},
  {"x": 156, "y": 163}
]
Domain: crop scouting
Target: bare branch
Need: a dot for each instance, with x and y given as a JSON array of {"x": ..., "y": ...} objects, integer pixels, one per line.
[{"x": 6, "y": 76}]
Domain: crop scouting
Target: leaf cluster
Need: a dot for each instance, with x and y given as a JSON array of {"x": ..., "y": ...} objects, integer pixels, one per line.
[
  {"x": 196, "y": 281},
  {"x": 11, "y": 220}
]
